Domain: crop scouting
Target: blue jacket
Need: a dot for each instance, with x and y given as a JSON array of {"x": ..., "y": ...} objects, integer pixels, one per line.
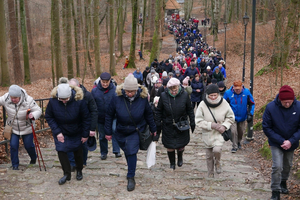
[
  {"x": 138, "y": 75},
  {"x": 222, "y": 70},
  {"x": 141, "y": 112},
  {"x": 240, "y": 102},
  {"x": 196, "y": 96},
  {"x": 189, "y": 71},
  {"x": 280, "y": 123},
  {"x": 72, "y": 120},
  {"x": 102, "y": 98}
]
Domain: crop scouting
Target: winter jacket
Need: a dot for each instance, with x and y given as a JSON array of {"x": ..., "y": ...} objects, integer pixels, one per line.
[
  {"x": 102, "y": 98},
  {"x": 189, "y": 71},
  {"x": 138, "y": 75},
  {"x": 71, "y": 119},
  {"x": 149, "y": 78},
  {"x": 240, "y": 102},
  {"x": 168, "y": 68},
  {"x": 20, "y": 126},
  {"x": 145, "y": 73},
  {"x": 223, "y": 114},
  {"x": 126, "y": 133},
  {"x": 89, "y": 99},
  {"x": 218, "y": 76},
  {"x": 180, "y": 77},
  {"x": 196, "y": 96},
  {"x": 280, "y": 124},
  {"x": 181, "y": 105},
  {"x": 221, "y": 70}
]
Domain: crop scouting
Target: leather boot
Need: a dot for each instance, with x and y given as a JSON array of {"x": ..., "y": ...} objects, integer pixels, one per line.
[
  {"x": 283, "y": 186},
  {"x": 275, "y": 195},
  {"x": 210, "y": 162},
  {"x": 179, "y": 155},
  {"x": 79, "y": 176},
  {"x": 130, "y": 184},
  {"x": 171, "y": 156},
  {"x": 64, "y": 179}
]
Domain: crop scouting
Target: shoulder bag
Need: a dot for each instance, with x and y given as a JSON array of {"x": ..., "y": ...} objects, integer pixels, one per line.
[
  {"x": 227, "y": 134},
  {"x": 8, "y": 128},
  {"x": 145, "y": 136},
  {"x": 182, "y": 124}
]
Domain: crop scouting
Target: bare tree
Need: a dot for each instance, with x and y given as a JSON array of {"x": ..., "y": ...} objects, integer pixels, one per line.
[
  {"x": 29, "y": 32},
  {"x": 133, "y": 35},
  {"x": 112, "y": 68},
  {"x": 97, "y": 38}
]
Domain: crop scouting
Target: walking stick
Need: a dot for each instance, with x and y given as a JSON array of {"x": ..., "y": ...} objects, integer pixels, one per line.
[{"x": 36, "y": 144}]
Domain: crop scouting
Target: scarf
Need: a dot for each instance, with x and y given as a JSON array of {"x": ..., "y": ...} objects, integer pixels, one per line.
[{"x": 213, "y": 103}]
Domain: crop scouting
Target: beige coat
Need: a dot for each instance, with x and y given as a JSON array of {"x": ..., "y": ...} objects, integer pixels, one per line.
[
  {"x": 223, "y": 114},
  {"x": 20, "y": 125}
]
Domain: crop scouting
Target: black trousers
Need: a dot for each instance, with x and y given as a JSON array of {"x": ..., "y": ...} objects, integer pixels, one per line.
[{"x": 65, "y": 163}]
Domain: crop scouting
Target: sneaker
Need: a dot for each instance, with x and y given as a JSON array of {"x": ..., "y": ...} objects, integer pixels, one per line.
[
  {"x": 103, "y": 157},
  {"x": 118, "y": 155},
  {"x": 239, "y": 145},
  {"x": 233, "y": 150}
]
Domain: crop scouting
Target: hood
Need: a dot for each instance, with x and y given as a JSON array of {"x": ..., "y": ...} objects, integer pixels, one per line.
[
  {"x": 142, "y": 89},
  {"x": 77, "y": 93}
]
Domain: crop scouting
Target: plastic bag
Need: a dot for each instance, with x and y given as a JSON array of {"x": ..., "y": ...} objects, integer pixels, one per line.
[{"x": 151, "y": 154}]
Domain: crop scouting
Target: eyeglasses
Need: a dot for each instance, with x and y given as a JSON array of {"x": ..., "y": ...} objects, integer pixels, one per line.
[
  {"x": 130, "y": 91},
  {"x": 63, "y": 99}
]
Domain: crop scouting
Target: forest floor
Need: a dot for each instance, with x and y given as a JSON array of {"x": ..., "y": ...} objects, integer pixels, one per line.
[{"x": 246, "y": 174}]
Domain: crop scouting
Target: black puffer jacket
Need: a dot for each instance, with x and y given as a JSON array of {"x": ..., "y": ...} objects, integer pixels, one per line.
[{"x": 181, "y": 107}]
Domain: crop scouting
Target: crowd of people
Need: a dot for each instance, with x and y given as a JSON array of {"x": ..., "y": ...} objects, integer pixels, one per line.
[{"x": 163, "y": 95}]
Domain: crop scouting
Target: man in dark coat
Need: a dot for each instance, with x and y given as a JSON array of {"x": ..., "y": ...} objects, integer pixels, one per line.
[
  {"x": 145, "y": 73},
  {"x": 281, "y": 121},
  {"x": 192, "y": 70},
  {"x": 87, "y": 96},
  {"x": 68, "y": 117},
  {"x": 167, "y": 66},
  {"x": 103, "y": 94}
]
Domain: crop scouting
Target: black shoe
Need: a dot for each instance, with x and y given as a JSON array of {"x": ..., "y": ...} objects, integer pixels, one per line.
[
  {"x": 73, "y": 168},
  {"x": 103, "y": 157},
  {"x": 171, "y": 156},
  {"x": 283, "y": 186},
  {"x": 233, "y": 150},
  {"x": 79, "y": 175},
  {"x": 130, "y": 184},
  {"x": 16, "y": 168},
  {"x": 64, "y": 179},
  {"x": 32, "y": 162},
  {"x": 180, "y": 160},
  {"x": 239, "y": 145},
  {"x": 118, "y": 155},
  {"x": 275, "y": 195}
]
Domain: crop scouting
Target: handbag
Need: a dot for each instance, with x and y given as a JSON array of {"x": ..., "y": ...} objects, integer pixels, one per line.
[
  {"x": 145, "y": 136},
  {"x": 7, "y": 131},
  {"x": 226, "y": 134},
  {"x": 182, "y": 124}
]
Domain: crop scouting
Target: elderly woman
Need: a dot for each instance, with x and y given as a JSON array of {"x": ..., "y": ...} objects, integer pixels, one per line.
[
  {"x": 132, "y": 109},
  {"x": 16, "y": 102},
  {"x": 212, "y": 131},
  {"x": 68, "y": 117},
  {"x": 174, "y": 104}
]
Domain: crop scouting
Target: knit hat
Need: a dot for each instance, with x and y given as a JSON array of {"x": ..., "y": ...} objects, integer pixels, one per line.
[
  {"x": 186, "y": 80},
  {"x": 164, "y": 73},
  {"x": 167, "y": 61},
  {"x": 130, "y": 83},
  {"x": 159, "y": 81},
  {"x": 63, "y": 80},
  {"x": 237, "y": 84},
  {"x": 173, "y": 82},
  {"x": 212, "y": 89},
  {"x": 214, "y": 81},
  {"x": 63, "y": 91},
  {"x": 147, "y": 68},
  {"x": 208, "y": 80},
  {"x": 105, "y": 76},
  {"x": 15, "y": 91},
  {"x": 286, "y": 93},
  {"x": 155, "y": 59},
  {"x": 165, "y": 81},
  {"x": 177, "y": 71},
  {"x": 152, "y": 71},
  {"x": 221, "y": 84},
  {"x": 170, "y": 74},
  {"x": 208, "y": 67}
]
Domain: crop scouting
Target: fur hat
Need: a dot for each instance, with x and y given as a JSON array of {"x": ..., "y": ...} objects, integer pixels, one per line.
[
  {"x": 286, "y": 93},
  {"x": 15, "y": 91},
  {"x": 130, "y": 83},
  {"x": 212, "y": 89},
  {"x": 64, "y": 91},
  {"x": 63, "y": 80},
  {"x": 173, "y": 82}
]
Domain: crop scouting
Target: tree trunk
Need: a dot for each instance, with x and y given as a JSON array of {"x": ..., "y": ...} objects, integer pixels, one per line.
[
  {"x": 3, "y": 49},
  {"x": 156, "y": 38},
  {"x": 14, "y": 43},
  {"x": 79, "y": 22},
  {"x": 29, "y": 33},
  {"x": 112, "y": 68},
  {"x": 69, "y": 38},
  {"x": 97, "y": 38},
  {"x": 121, "y": 28},
  {"x": 52, "y": 45},
  {"x": 265, "y": 12},
  {"x": 25, "y": 43},
  {"x": 143, "y": 26},
  {"x": 133, "y": 34},
  {"x": 56, "y": 40},
  {"x": 76, "y": 31},
  {"x": 151, "y": 24}
]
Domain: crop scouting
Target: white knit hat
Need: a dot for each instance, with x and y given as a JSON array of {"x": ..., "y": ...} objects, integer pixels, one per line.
[
  {"x": 63, "y": 91},
  {"x": 14, "y": 91}
]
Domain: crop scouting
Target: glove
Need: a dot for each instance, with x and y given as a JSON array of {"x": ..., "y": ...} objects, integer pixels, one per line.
[
  {"x": 221, "y": 129},
  {"x": 193, "y": 128},
  {"x": 249, "y": 118}
]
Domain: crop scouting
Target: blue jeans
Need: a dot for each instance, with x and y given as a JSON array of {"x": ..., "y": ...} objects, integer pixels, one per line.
[
  {"x": 14, "y": 147},
  {"x": 85, "y": 154},
  {"x": 282, "y": 164},
  {"x": 103, "y": 141}
]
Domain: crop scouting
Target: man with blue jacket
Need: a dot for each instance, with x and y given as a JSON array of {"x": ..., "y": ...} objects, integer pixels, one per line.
[
  {"x": 242, "y": 104},
  {"x": 102, "y": 94},
  {"x": 281, "y": 124}
]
